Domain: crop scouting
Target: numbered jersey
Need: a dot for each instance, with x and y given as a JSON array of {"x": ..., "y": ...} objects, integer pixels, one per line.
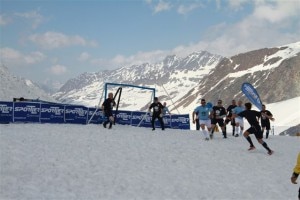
[
  {"x": 203, "y": 112},
  {"x": 157, "y": 108},
  {"x": 219, "y": 112}
]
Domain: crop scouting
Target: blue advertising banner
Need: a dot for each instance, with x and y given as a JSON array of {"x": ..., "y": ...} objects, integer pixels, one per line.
[
  {"x": 180, "y": 122},
  {"x": 123, "y": 117},
  {"x": 6, "y": 112},
  {"x": 167, "y": 121},
  {"x": 252, "y": 95},
  {"x": 76, "y": 114},
  {"x": 52, "y": 113},
  {"x": 59, "y": 113},
  {"x": 98, "y": 117},
  {"x": 26, "y": 112},
  {"x": 136, "y": 118}
]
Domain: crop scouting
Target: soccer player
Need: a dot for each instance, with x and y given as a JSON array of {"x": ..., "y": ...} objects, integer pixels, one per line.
[
  {"x": 229, "y": 118},
  {"x": 265, "y": 120},
  {"x": 204, "y": 114},
  {"x": 107, "y": 108},
  {"x": 218, "y": 113},
  {"x": 252, "y": 117},
  {"x": 296, "y": 173},
  {"x": 239, "y": 121},
  {"x": 157, "y": 113}
]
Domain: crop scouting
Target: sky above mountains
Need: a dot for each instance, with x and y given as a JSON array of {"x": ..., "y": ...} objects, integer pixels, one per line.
[{"x": 56, "y": 40}]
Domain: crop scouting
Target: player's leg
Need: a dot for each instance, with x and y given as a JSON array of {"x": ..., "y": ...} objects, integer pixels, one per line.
[
  {"x": 259, "y": 136},
  {"x": 248, "y": 138}
]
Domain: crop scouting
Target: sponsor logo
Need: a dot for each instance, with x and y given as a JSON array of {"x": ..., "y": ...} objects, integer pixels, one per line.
[
  {"x": 124, "y": 116},
  {"x": 30, "y": 109},
  {"x": 5, "y": 109},
  {"x": 55, "y": 110},
  {"x": 77, "y": 111}
]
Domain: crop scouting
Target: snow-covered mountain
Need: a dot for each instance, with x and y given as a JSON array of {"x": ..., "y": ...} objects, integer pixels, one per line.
[
  {"x": 182, "y": 81},
  {"x": 174, "y": 75},
  {"x": 16, "y": 87}
]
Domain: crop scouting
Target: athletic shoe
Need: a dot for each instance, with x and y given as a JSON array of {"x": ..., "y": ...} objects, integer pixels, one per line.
[
  {"x": 104, "y": 125},
  {"x": 270, "y": 152},
  {"x": 153, "y": 129},
  {"x": 251, "y": 148},
  {"x": 206, "y": 139},
  {"x": 236, "y": 135}
]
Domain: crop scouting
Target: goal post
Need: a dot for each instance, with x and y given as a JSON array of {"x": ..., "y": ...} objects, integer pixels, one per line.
[
  {"x": 126, "y": 85},
  {"x": 119, "y": 92}
]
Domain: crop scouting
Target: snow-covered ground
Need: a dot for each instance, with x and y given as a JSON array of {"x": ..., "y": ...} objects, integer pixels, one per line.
[{"x": 52, "y": 161}]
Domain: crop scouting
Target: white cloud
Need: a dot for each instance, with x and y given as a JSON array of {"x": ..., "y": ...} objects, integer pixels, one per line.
[
  {"x": 58, "y": 69},
  {"x": 33, "y": 16},
  {"x": 84, "y": 56},
  {"x": 4, "y": 20},
  {"x": 162, "y": 6},
  {"x": 136, "y": 59},
  {"x": 51, "y": 40},
  {"x": 184, "y": 9},
  {"x": 237, "y": 4},
  {"x": 277, "y": 11},
  {"x": 11, "y": 56}
]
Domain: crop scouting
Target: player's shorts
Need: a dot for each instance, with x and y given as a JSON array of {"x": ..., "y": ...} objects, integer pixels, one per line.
[
  {"x": 265, "y": 124},
  {"x": 219, "y": 121},
  {"x": 206, "y": 122},
  {"x": 240, "y": 121},
  {"x": 256, "y": 130},
  {"x": 230, "y": 120}
]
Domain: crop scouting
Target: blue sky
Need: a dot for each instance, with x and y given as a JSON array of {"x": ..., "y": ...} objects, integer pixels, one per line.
[{"x": 55, "y": 40}]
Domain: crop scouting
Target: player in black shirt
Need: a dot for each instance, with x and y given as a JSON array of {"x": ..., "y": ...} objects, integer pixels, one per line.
[
  {"x": 265, "y": 120},
  {"x": 107, "y": 107},
  {"x": 157, "y": 113},
  {"x": 252, "y": 117},
  {"x": 218, "y": 113},
  {"x": 229, "y": 117}
]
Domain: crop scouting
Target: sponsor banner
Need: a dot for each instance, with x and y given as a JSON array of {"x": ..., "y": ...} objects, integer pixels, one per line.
[
  {"x": 136, "y": 118},
  {"x": 252, "y": 95},
  {"x": 98, "y": 117},
  {"x": 6, "y": 112},
  {"x": 123, "y": 117},
  {"x": 59, "y": 113},
  {"x": 180, "y": 122},
  {"x": 76, "y": 114},
  {"x": 26, "y": 112},
  {"x": 52, "y": 113},
  {"x": 167, "y": 119}
]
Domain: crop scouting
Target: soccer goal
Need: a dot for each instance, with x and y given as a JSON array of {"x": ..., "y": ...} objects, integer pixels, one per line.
[{"x": 127, "y": 97}]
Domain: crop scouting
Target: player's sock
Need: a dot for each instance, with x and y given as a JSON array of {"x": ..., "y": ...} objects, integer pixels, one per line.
[
  {"x": 205, "y": 133},
  {"x": 266, "y": 146},
  {"x": 224, "y": 134},
  {"x": 250, "y": 141},
  {"x": 267, "y": 134}
]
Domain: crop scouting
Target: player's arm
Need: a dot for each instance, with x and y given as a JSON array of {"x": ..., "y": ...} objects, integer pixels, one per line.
[
  {"x": 193, "y": 116},
  {"x": 296, "y": 171},
  {"x": 267, "y": 116}
]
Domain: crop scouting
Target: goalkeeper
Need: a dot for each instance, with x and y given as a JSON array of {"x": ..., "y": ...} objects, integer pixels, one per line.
[{"x": 157, "y": 113}]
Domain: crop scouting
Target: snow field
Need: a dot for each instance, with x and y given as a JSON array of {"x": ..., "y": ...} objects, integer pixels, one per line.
[{"x": 52, "y": 161}]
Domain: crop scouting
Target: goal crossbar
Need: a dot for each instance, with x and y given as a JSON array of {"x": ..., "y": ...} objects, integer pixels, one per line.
[{"x": 126, "y": 85}]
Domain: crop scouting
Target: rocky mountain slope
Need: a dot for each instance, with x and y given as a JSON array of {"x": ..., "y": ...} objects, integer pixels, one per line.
[{"x": 182, "y": 81}]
